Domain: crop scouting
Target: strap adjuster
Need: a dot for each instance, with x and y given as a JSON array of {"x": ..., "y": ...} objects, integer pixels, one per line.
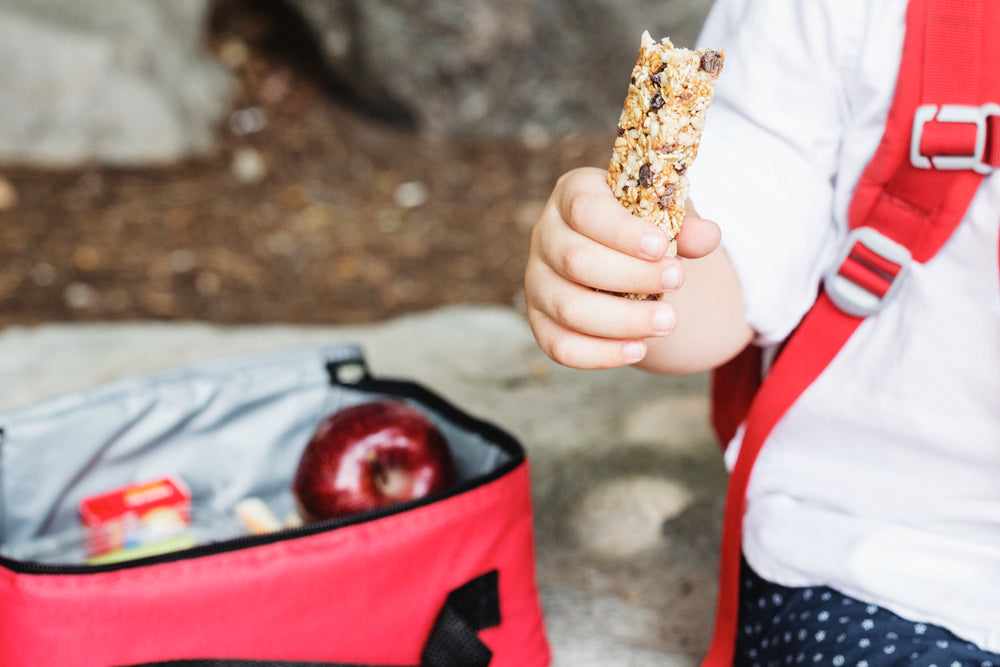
[
  {"x": 953, "y": 113},
  {"x": 867, "y": 272}
]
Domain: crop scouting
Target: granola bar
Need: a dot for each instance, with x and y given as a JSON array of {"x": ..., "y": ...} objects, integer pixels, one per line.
[{"x": 659, "y": 132}]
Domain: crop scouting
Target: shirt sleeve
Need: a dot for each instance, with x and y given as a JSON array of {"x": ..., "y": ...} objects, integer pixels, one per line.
[{"x": 767, "y": 165}]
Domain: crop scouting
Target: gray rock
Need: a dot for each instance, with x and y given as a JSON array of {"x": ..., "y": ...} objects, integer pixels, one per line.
[
  {"x": 123, "y": 82},
  {"x": 127, "y": 82},
  {"x": 603, "y": 631},
  {"x": 623, "y": 517},
  {"x": 528, "y": 68},
  {"x": 670, "y": 420}
]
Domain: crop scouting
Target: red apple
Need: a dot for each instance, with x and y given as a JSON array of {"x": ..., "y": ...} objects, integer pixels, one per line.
[{"x": 370, "y": 455}]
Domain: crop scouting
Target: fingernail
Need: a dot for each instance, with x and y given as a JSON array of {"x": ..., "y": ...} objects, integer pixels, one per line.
[
  {"x": 663, "y": 321},
  {"x": 653, "y": 245},
  {"x": 635, "y": 351},
  {"x": 671, "y": 278}
]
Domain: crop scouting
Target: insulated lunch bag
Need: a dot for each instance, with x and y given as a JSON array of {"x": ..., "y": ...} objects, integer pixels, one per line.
[{"x": 444, "y": 580}]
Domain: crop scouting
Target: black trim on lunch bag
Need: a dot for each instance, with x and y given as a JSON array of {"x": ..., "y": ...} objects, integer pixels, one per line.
[
  {"x": 354, "y": 373},
  {"x": 453, "y": 641}
]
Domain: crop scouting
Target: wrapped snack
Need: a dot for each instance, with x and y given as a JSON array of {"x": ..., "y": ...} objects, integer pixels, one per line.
[
  {"x": 136, "y": 515},
  {"x": 257, "y": 516},
  {"x": 659, "y": 132}
]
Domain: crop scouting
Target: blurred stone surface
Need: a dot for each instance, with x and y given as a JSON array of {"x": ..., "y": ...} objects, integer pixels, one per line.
[
  {"x": 523, "y": 68},
  {"x": 623, "y": 517},
  {"x": 611, "y": 598},
  {"x": 125, "y": 82},
  {"x": 131, "y": 82}
]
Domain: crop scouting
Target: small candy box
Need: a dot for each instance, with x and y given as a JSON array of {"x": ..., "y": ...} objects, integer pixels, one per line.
[{"x": 135, "y": 515}]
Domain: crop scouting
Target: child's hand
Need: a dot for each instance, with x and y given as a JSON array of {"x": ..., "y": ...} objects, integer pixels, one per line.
[{"x": 586, "y": 241}]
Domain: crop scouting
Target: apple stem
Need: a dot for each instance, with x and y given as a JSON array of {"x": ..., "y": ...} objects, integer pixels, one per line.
[
  {"x": 381, "y": 474},
  {"x": 389, "y": 481}
]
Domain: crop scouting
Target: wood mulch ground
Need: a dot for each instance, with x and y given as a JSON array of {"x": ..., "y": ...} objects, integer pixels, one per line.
[{"x": 308, "y": 212}]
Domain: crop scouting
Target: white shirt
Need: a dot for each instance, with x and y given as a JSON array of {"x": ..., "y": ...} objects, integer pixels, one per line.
[{"x": 883, "y": 480}]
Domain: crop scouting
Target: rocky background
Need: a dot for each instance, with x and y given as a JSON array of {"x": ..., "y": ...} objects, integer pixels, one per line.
[
  {"x": 297, "y": 161},
  {"x": 132, "y": 82}
]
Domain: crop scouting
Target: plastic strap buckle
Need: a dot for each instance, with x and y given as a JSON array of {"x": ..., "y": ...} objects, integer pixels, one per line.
[
  {"x": 867, "y": 273},
  {"x": 953, "y": 113}
]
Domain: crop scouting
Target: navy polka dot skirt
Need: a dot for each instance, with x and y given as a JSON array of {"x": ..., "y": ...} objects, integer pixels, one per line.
[{"x": 817, "y": 626}]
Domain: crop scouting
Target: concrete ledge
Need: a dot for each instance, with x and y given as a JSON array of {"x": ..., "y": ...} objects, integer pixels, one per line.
[{"x": 628, "y": 483}]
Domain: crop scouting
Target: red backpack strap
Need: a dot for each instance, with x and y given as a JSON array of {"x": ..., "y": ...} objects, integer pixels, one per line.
[
  {"x": 938, "y": 144},
  {"x": 733, "y": 386}
]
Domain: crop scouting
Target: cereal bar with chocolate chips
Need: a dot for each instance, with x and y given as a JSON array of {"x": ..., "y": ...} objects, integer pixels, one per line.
[{"x": 659, "y": 132}]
